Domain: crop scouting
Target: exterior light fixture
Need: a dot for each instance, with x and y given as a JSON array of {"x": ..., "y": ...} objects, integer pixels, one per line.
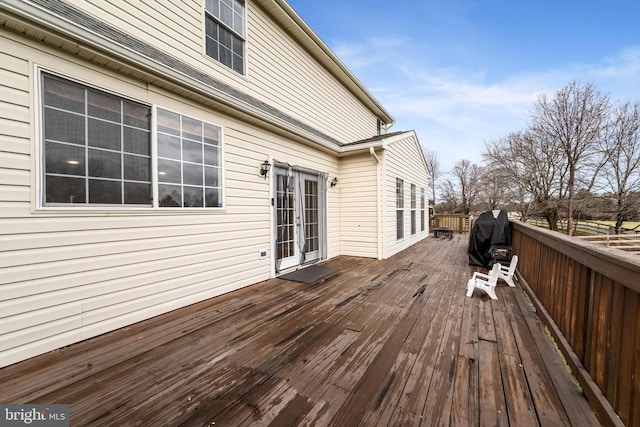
[
  {"x": 264, "y": 168},
  {"x": 334, "y": 182}
]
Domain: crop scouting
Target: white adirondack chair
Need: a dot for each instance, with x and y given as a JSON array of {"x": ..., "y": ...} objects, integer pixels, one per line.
[
  {"x": 506, "y": 273},
  {"x": 485, "y": 282}
]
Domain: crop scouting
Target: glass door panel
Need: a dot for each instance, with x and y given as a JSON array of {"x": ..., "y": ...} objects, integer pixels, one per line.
[
  {"x": 286, "y": 248},
  {"x": 311, "y": 218}
]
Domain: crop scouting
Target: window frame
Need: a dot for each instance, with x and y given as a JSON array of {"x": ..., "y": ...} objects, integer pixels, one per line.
[
  {"x": 422, "y": 217},
  {"x": 399, "y": 208},
  {"x": 206, "y": 15},
  {"x": 156, "y": 157},
  {"x": 413, "y": 209},
  {"x": 153, "y": 206}
]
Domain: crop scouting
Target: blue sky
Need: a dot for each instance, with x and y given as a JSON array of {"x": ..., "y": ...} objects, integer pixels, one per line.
[{"x": 462, "y": 72}]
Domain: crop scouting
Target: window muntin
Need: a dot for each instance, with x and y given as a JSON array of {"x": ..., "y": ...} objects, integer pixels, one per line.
[
  {"x": 224, "y": 32},
  {"x": 189, "y": 166},
  {"x": 413, "y": 209},
  {"x": 399, "y": 208},
  {"x": 97, "y": 147}
]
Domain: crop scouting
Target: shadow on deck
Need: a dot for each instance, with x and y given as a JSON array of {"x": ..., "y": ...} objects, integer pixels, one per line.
[{"x": 392, "y": 342}]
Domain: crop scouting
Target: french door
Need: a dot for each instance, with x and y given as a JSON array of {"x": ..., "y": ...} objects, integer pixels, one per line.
[{"x": 299, "y": 217}]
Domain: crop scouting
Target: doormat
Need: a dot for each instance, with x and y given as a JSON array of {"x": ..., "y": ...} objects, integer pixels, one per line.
[{"x": 312, "y": 274}]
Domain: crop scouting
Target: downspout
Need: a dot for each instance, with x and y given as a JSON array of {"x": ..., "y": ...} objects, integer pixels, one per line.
[{"x": 380, "y": 202}]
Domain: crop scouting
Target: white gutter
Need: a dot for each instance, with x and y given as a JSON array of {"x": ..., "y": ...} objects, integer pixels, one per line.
[{"x": 380, "y": 202}]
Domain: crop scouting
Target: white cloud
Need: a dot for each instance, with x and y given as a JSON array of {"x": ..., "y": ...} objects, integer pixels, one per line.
[
  {"x": 361, "y": 56},
  {"x": 454, "y": 111}
]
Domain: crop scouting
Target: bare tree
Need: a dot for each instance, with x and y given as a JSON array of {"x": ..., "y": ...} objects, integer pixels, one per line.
[
  {"x": 573, "y": 120},
  {"x": 433, "y": 166},
  {"x": 494, "y": 191},
  {"x": 467, "y": 175},
  {"x": 448, "y": 196},
  {"x": 622, "y": 150},
  {"x": 534, "y": 171}
]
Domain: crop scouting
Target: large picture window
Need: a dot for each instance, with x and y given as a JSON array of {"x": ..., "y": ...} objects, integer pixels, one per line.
[
  {"x": 399, "y": 208},
  {"x": 99, "y": 150},
  {"x": 189, "y": 168},
  {"x": 224, "y": 32},
  {"x": 97, "y": 147}
]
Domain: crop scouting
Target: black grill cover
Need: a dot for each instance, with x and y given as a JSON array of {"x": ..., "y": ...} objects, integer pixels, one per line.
[{"x": 492, "y": 228}]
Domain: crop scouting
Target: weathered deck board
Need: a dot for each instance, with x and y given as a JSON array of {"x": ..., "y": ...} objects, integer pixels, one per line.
[{"x": 392, "y": 342}]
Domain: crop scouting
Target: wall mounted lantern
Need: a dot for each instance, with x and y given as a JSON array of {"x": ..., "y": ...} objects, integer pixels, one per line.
[
  {"x": 264, "y": 168},
  {"x": 334, "y": 182}
]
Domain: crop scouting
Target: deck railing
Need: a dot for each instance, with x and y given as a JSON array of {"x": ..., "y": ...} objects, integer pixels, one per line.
[
  {"x": 589, "y": 296},
  {"x": 459, "y": 223}
]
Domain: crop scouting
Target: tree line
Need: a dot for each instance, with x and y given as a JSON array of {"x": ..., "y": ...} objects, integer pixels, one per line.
[{"x": 578, "y": 157}]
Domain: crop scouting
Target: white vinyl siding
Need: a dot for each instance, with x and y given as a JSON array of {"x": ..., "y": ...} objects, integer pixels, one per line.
[
  {"x": 403, "y": 159},
  {"x": 70, "y": 274},
  {"x": 279, "y": 71},
  {"x": 358, "y": 206},
  {"x": 282, "y": 73},
  {"x": 15, "y": 134}
]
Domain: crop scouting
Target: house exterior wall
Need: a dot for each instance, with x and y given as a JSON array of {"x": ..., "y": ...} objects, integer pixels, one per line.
[
  {"x": 68, "y": 274},
  {"x": 279, "y": 70},
  {"x": 359, "y": 197},
  {"x": 404, "y": 159}
]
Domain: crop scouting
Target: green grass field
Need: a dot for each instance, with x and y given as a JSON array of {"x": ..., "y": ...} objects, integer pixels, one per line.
[
  {"x": 602, "y": 226},
  {"x": 627, "y": 224}
]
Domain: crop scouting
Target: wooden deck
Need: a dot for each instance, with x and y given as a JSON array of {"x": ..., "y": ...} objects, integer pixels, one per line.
[{"x": 383, "y": 343}]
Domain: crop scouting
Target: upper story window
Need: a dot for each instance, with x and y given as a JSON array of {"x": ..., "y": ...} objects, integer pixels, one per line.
[{"x": 224, "y": 32}]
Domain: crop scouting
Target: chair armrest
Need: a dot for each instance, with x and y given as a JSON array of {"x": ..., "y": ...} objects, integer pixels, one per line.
[{"x": 476, "y": 274}]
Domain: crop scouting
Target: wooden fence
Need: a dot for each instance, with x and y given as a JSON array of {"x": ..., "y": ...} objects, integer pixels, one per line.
[
  {"x": 624, "y": 242},
  {"x": 589, "y": 296},
  {"x": 459, "y": 223},
  {"x": 585, "y": 227}
]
